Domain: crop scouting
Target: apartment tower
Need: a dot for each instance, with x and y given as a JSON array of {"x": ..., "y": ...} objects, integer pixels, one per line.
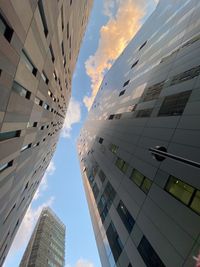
[
  {"x": 39, "y": 46},
  {"x": 146, "y": 212},
  {"x": 46, "y": 247}
]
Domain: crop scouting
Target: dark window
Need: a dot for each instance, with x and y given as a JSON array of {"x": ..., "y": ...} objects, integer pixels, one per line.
[
  {"x": 102, "y": 176},
  {"x": 117, "y": 116},
  {"x": 62, "y": 18},
  {"x": 21, "y": 90},
  {"x": 100, "y": 140},
  {"x": 43, "y": 18},
  {"x": 141, "y": 181},
  {"x": 114, "y": 241},
  {"x": 44, "y": 77},
  {"x": 134, "y": 64},
  {"x": 62, "y": 47},
  {"x": 122, "y": 165},
  {"x": 144, "y": 113},
  {"x": 95, "y": 190},
  {"x": 29, "y": 63},
  {"x": 126, "y": 83},
  {"x": 4, "y": 166},
  {"x": 52, "y": 53},
  {"x": 125, "y": 216},
  {"x": 67, "y": 30},
  {"x": 111, "y": 117},
  {"x": 153, "y": 91},
  {"x": 5, "y": 29},
  {"x": 142, "y": 45},
  {"x": 38, "y": 101},
  {"x": 186, "y": 75},
  {"x": 148, "y": 254},
  {"x": 122, "y": 92},
  {"x": 174, "y": 105},
  {"x": 184, "y": 192},
  {"x": 70, "y": 2},
  {"x": 46, "y": 106},
  {"x": 25, "y": 147},
  {"x": 113, "y": 148},
  {"x": 9, "y": 135},
  {"x": 130, "y": 265}
]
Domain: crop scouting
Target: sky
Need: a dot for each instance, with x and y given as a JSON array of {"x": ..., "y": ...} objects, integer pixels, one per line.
[{"x": 112, "y": 24}]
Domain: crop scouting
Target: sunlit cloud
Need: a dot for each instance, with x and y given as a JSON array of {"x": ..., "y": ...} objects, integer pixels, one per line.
[
  {"x": 44, "y": 182},
  {"x": 124, "y": 20},
  {"x": 82, "y": 263},
  {"x": 73, "y": 116},
  {"x": 27, "y": 226}
]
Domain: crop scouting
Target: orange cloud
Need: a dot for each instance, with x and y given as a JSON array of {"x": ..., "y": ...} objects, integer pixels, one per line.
[{"x": 114, "y": 37}]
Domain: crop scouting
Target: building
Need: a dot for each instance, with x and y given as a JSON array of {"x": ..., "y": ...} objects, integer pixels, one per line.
[
  {"x": 147, "y": 212},
  {"x": 39, "y": 46},
  {"x": 46, "y": 247}
]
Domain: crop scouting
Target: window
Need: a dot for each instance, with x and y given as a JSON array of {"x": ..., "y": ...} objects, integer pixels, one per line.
[
  {"x": 4, "y": 166},
  {"x": 113, "y": 148},
  {"x": 122, "y": 92},
  {"x": 20, "y": 90},
  {"x": 102, "y": 176},
  {"x": 122, "y": 165},
  {"x": 117, "y": 116},
  {"x": 134, "y": 64},
  {"x": 38, "y": 101},
  {"x": 67, "y": 30},
  {"x": 148, "y": 254},
  {"x": 186, "y": 75},
  {"x": 43, "y": 18},
  {"x": 100, "y": 140},
  {"x": 62, "y": 48},
  {"x": 125, "y": 216},
  {"x": 130, "y": 265},
  {"x": 28, "y": 63},
  {"x": 126, "y": 83},
  {"x": 9, "y": 135},
  {"x": 143, "y": 113},
  {"x": 174, "y": 105},
  {"x": 114, "y": 241},
  {"x": 55, "y": 76},
  {"x": 95, "y": 190},
  {"x": 44, "y": 77},
  {"x": 46, "y": 106},
  {"x": 52, "y": 53},
  {"x": 141, "y": 181},
  {"x": 111, "y": 117},
  {"x": 25, "y": 147},
  {"x": 8, "y": 215},
  {"x": 195, "y": 203},
  {"x": 153, "y": 91},
  {"x": 5, "y": 29},
  {"x": 50, "y": 93},
  {"x": 142, "y": 45},
  {"x": 33, "y": 124},
  {"x": 62, "y": 18}
]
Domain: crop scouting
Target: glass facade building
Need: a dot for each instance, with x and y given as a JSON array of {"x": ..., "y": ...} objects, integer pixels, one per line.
[
  {"x": 46, "y": 247},
  {"x": 147, "y": 212}
]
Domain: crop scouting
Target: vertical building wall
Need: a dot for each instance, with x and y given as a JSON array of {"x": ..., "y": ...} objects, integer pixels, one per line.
[
  {"x": 39, "y": 46},
  {"x": 47, "y": 244},
  {"x": 145, "y": 212}
]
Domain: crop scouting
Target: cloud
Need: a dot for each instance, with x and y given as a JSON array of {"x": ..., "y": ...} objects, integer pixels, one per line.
[
  {"x": 82, "y": 263},
  {"x": 43, "y": 185},
  {"x": 27, "y": 226},
  {"x": 73, "y": 116},
  {"x": 123, "y": 23}
]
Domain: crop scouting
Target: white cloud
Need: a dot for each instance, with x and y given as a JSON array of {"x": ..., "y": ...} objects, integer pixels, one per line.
[
  {"x": 73, "y": 116},
  {"x": 123, "y": 23},
  {"x": 27, "y": 226},
  {"x": 43, "y": 185},
  {"x": 82, "y": 263}
]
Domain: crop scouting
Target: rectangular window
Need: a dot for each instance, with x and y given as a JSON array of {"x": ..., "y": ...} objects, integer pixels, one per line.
[
  {"x": 25, "y": 147},
  {"x": 142, "y": 45},
  {"x": 5, "y": 29},
  {"x": 195, "y": 202},
  {"x": 186, "y": 75},
  {"x": 125, "y": 216},
  {"x": 46, "y": 106},
  {"x": 113, "y": 148},
  {"x": 4, "y": 166},
  {"x": 20, "y": 90},
  {"x": 67, "y": 30},
  {"x": 118, "y": 116},
  {"x": 62, "y": 48},
  {"x": 111, "y": 117},
  {"x": 38, "y": 101},
  {"x": 9, "y": 135},
  {"x": 114, "y": 241},
  {"x": 62, "y": 18},
  {"x": 95, "y": 190},
  {"x": 148, "y": 254},
  {"x": 102, "y": 176},
  {"x": 44, "y": 77},
  {"x": 122, "y": 92},
  {"x": 141, "y": 181},
  {"x": 126, "y": 83},
  {"x": 28, "y": 63},
  {"x": 43, "y": 18},
  {"x": 134, "y": 64},
  {"x": 174, "y": 105},
  {"x": 52, "y": 53},
  {"x": 100, "y": 140},
  {"x": 122, "y": 165},
  {"x": 143, "y": 113},
  {"x": 153, "y": 91}
]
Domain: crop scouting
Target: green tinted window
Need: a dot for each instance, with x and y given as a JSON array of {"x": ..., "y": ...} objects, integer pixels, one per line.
[
  {"x": 146, "y": 185},
  {"x": 195, "y": 205},
  {"x": 119, "y": 163},
  {"x": 137, "y": 177},
  {"x": 179, "y": 189}
]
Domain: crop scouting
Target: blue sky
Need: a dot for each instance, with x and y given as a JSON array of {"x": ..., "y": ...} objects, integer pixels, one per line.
[{"x": 62, "y": 186}]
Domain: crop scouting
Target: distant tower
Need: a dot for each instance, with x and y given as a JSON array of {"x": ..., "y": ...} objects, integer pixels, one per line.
[{"x": 46, "y": 247}]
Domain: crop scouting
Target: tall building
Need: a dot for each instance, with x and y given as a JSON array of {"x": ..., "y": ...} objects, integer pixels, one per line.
[
  {"x": 39, "y": 46},
  {"x": 46, "y": 247},
  {"x": 147, "y": 212}
]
